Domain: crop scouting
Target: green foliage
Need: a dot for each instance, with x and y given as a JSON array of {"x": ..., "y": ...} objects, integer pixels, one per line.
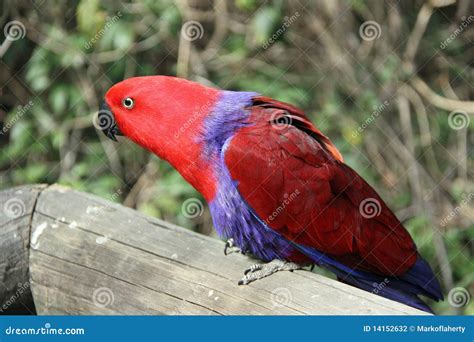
[
  {"x": 90, "y": 17},
  {"x": 68, "y": 61}
]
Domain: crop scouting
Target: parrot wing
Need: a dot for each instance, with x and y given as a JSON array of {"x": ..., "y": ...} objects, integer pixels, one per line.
[{"x": 281, "y": 159}]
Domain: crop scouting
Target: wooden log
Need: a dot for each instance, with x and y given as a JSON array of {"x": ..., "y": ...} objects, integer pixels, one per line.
[
  {"x": 90, "y": 256},
  {"x": 16, "y": 209}
]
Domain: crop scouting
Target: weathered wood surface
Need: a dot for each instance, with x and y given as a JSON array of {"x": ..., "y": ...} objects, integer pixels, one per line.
[
  {"x": 90, "y": 256},
  {"x": 16, "y": 209}
]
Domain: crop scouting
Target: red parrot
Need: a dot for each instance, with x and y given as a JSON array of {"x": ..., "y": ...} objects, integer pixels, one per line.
[{"x": 276, "y": 186}]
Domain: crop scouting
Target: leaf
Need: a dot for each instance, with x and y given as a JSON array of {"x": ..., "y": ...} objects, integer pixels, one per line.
[
  {"x": 37, "y": 74},
  {"x": 263, "y": 24},
  {"x": 58, "y": 98},
  {"x": 89, "y": 17},
  {"x": 246, "y": 5},
  {"x": 123, "y": 37}
]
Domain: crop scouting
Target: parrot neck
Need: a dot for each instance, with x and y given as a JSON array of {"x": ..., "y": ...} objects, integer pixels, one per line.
[
  {"x": 197, "y": 153},
  {"x": 194, "y": 169},
  {"x": 191, "y": 137},
  {"x": 229, "y": 114}
]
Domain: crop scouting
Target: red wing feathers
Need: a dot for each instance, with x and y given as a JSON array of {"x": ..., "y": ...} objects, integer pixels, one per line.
[
  {"x": 300, "y": 118},
  {"x": 294, "y": 179}
]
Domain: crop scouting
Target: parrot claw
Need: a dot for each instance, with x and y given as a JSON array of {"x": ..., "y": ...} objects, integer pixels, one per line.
[
  {"x": 253, "y": 268},
  {"x": 259, "y": 271},
  {"x": 229, "y": 244}
]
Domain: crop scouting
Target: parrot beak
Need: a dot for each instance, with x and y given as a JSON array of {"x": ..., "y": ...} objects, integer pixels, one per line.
[{"x": 106, "y": 122}]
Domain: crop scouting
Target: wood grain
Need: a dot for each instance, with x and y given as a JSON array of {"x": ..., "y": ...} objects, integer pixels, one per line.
[
  {"x": 91, "y": 256},
  {"x": 16, "y": 209}
]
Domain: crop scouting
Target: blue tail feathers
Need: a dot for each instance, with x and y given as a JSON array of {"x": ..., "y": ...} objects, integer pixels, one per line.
[{"x": 418, "y": 280}]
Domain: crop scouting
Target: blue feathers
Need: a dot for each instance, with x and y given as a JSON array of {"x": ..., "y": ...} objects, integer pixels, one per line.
[{"x": 419, "y": 280}]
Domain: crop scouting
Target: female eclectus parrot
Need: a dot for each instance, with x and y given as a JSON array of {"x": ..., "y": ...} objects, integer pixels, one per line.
[{"x": 276, "y": 186}]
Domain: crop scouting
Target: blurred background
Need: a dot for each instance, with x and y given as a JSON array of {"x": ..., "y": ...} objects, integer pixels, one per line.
[{"x": 390, "y": 82}]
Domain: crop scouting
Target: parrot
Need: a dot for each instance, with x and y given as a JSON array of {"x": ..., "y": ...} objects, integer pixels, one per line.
[{"x": 276, "y": 186}]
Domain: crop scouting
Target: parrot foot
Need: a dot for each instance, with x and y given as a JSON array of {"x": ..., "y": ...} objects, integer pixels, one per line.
[
  {"x": 259, "y": 271},
  {"x": 230, "y": 248}
]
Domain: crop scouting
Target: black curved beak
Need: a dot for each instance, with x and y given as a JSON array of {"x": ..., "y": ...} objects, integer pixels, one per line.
[{"x": 106, "y": 122}]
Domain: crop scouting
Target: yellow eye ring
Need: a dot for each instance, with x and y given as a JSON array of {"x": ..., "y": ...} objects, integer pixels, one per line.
[{"x": 128, "y": 102}]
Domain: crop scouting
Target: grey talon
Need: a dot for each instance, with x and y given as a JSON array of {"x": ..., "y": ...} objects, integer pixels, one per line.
[
  {"x": 259, "y": 271},
  {"x": 229, "y": 244}
]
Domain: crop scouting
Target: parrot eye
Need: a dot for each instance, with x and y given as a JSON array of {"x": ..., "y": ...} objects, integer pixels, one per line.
[{"x": 128, "y": 102}]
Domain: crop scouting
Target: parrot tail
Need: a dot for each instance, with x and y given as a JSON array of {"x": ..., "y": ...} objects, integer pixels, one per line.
[{"x": 418, "y": 280}]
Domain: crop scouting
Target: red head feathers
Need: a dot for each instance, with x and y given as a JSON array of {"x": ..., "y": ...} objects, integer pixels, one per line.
[{"x": 165, "y": 115}]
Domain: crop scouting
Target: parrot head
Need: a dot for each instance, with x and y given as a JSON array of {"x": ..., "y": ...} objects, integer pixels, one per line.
[
  {"x": 153, "y": 109},
  {"x": 164, "y": 115}
]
